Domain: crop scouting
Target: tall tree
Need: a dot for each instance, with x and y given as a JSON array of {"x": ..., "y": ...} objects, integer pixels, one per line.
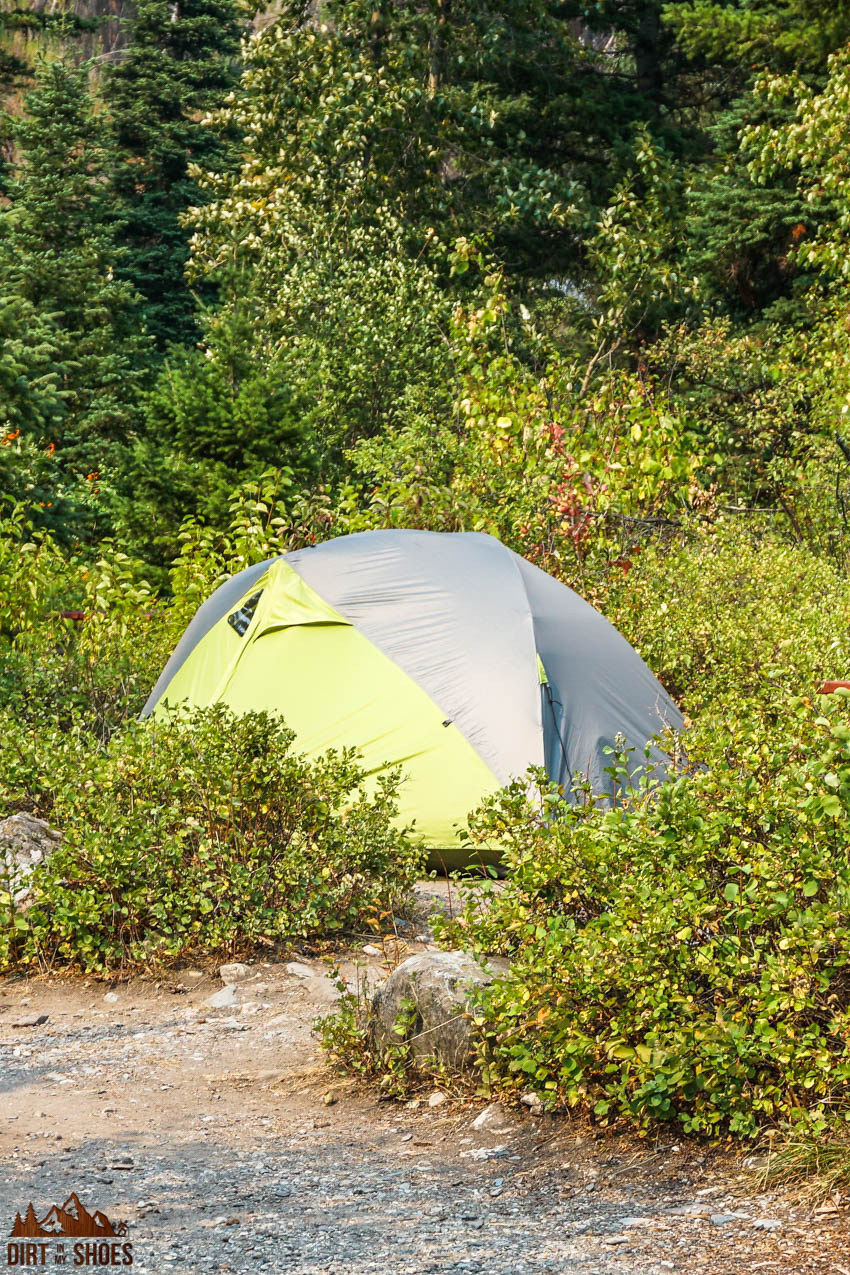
[
  {"x": 29, "y": 398},
  {"x": 745, "y": 227},
  {"x": 492, "y": 119},
  {"x": 748, "y": 34},
  {"x": 22, "y": 26},
  {"x": 178, "y": 65},
  {"x": 58, "y": 255}
]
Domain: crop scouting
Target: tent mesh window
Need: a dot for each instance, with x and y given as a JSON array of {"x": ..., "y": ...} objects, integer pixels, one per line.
[{"x": 241, "y": 618}]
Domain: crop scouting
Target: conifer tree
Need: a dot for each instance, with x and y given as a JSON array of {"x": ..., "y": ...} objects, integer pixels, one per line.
[
  {"x": 29, "y": 398},
  {"x": 743, "y": 228},
  {"x": 57, "y": 253},
  {"x": 751, "y": 34},
  {"x": 26, "y": 28},
  {"x": 178, "y": 65}
]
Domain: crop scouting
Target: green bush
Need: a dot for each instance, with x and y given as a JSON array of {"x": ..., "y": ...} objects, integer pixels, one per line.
[
  {"x": 90, "y": 656},
  {"x": 684, "y": 956},
  {"x": 81, "y": 640},
  {"x": 734, "y": 622},
  {"x": 206, "y": 833},
  {"x": 84, "y": 638}
]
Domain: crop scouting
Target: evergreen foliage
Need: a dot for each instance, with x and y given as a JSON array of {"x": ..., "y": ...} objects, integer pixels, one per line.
[
  {"x": 29, "y": 398},
  {"x": 781, "y": 34},
  {"x": 177, "y": 66},
  {"x": 58, "y": 258},
  {"x": 743, "y": 231},
  {"x": 28, "y": 27},
  {"x": 745, "y": 227}
]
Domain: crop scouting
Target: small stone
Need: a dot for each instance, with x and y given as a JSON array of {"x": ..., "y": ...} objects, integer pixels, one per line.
[
  {"x": 635, "y": 1221},
  {"x": 534, "y": 1103},
  {"x": 328, "y": 1099},
  {"x": 413, "y": 1105},
  {"x": 193, "y": 974},
  {"x": 437, "y": 1099},
  {"x": 232, "y": 1221},
  {"x": 488, "y": 1117},
  {"x": 234, "y": 973},
  {"x": 484, "y": 1153},
  {"x": 369, "y": 949},
  {"x": 223, "y": 999},
  {"x": 299, "y": 971},
  {"x": 767, "y": 1224},
  {"x": 111, "y": 997},
  {"x": 723, "y": 1219},
  {"x": 29, "y": 1020}
]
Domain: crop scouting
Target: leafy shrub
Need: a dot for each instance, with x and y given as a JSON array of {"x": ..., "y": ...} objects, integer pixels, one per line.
[
  {"x": 348, "y": 1040},
  {"x": 735, "y": 623},
  {"x": 89, "y": 652},
  {"x": 83, "y": 639},
  {"x": 686, "y": 955},
  {"x": 204, "y": 833}
]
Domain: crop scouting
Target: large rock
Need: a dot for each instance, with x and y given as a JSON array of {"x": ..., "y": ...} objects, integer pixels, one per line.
[
  {"x": 25, "y": 842},
  {"x": 438, "y": 984}
]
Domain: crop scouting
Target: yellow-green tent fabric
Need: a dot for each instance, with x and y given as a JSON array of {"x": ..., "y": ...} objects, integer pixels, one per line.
[{"x": 444, "y": 654}]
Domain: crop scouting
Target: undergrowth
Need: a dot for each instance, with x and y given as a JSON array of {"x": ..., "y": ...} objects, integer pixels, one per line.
[{"x": 202, "y": 834}]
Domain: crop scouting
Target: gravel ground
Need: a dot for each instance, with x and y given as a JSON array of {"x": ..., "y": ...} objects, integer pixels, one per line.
[{"x": 222, "y": 1140}]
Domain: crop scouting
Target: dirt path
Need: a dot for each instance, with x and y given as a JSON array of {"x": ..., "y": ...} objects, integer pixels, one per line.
[{"x": 208, "y": 1131}]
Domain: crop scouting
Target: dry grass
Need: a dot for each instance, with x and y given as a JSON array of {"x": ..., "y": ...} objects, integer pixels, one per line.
[{"x": 818, "y": 1164}]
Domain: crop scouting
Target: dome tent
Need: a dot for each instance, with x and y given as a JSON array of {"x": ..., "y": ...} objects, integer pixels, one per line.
[{"x": 446, "y": 654}]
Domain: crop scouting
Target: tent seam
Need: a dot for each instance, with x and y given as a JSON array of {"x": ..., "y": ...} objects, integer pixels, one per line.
[{"x": 530, "y": 612}]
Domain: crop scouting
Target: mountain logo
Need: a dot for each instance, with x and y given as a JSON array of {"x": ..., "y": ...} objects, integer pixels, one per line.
[
  {"x": 67, "y": 1234},
  {"x": 69, "y": 1219}
]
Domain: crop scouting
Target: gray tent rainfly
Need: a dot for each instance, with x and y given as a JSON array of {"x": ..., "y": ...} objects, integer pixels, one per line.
[{"x": 445, "y": 654}]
